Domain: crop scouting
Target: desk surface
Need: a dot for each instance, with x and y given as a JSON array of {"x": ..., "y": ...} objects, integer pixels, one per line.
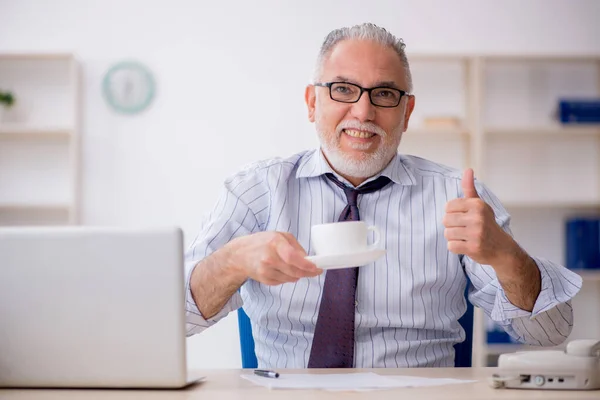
[{"x": 227, "y": 384}]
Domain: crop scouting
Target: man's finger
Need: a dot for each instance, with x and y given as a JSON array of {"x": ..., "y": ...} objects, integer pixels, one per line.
[
  {"x": 457, "y": 205},
  {"x": 294, "y": 254},
  {"x": 457, "y": 246},
  {"x": 460, "y": 234},
  {"x": 293, "y": 242},
  {"x": 277, "y": 277},
  {"x": 468, "y": 184},
  {"x": 455, "y": 220}
]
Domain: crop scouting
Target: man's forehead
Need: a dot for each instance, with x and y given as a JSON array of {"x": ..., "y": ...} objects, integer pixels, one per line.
[{"x": 365, "y": 62}]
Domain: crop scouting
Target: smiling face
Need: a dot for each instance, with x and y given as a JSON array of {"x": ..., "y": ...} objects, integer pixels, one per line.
[{"x": 359, "y": 139}]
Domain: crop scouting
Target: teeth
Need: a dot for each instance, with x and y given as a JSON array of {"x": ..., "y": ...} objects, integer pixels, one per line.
[{"x": 358, "y": 134}]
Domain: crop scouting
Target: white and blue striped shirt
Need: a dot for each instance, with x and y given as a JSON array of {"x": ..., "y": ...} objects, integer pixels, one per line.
[{"x": 408, "y": 302}]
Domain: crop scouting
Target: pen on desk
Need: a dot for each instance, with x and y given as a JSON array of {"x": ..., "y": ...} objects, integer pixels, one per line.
[{"x": 266, "y": 374}]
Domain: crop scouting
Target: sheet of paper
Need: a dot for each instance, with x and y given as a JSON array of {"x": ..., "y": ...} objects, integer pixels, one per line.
[{"x": 354, "y": 381}]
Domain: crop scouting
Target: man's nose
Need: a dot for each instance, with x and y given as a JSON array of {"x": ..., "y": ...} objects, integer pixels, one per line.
[{"x": 363, "y": 110}]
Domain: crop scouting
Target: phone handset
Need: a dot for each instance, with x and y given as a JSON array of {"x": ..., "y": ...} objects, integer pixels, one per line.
[{"x": 584, "y": 348}]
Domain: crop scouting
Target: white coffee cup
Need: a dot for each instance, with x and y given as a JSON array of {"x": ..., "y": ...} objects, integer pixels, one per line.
[{"x": 342, "y": 238}]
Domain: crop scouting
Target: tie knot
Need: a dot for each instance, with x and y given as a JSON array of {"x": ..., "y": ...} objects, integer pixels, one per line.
[
  {"x": 369, "y": 187},
  {"x": 351, "y": 195},
  {"x": 350, "y": 212}
]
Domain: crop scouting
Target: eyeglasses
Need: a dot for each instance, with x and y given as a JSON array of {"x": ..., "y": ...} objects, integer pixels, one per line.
[{"x": 345, "y": 92}]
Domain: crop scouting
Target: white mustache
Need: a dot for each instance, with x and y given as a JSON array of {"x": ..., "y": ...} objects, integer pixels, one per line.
[{"x": 360, "y": 126}]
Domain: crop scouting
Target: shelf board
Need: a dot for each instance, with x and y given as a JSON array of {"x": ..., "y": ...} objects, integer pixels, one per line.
[
  {"x": 454, "y": 133},
  {"x": 539, "y": 131},
  {"x": 31, "y": 207},
  {"x": 437, "y": 57},
  {"x": 501, "y": 348},
  {"x": 24, "y": 132},
  {"x": 35, "y": 56},
  {"x": 588, "y": 274},
  {"x": 541, "y": 57},
  {"x": 552, "y": 204},
  {"x": 545, "y": 57}
]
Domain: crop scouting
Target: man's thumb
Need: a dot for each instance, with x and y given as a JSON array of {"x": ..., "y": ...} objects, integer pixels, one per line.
[{"x": 468, "y": 184}]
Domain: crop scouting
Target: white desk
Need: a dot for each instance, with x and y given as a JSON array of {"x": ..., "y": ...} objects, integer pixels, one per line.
[{"x": 227, "y": 385}]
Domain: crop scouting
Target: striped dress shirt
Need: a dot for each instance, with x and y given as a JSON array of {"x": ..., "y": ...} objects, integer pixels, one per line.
[{"x": 408, "y": 301}]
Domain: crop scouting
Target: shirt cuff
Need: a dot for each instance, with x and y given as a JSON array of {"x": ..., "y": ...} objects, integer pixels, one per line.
[
  {"x": 559, "y": 285},
  {"x": 195, "y": 321}
]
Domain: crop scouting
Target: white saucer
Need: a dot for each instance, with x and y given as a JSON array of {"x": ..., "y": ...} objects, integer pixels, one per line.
[{"x": 336, "y": 261}]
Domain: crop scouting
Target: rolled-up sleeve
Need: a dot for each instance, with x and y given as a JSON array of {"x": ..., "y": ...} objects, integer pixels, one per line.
[
  {"x": 551, "y": 320},
  {"x": 195, "y": 321},
  {"x": 232, "y": 217}
]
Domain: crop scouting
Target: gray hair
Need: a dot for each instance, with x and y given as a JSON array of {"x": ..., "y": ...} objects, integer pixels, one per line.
[{"x": 366, "y": 31}]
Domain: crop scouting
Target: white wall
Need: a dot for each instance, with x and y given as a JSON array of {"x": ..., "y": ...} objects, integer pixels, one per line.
[{"x": 165, "y": 165}]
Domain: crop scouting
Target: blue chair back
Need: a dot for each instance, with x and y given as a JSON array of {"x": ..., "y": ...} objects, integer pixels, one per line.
[
  {"x": 246, "y": 340},
  {"x": 463, "y": 350}
]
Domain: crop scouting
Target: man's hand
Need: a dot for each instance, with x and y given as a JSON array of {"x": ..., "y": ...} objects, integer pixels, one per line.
[
  {"x": 471, "y": 227},
  {"x": 271, "y": 258}
]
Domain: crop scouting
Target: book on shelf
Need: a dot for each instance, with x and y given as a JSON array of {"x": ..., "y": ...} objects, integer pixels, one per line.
[
  {"x": 579, "y": 111},
  {"x": 583, "y": 243}
]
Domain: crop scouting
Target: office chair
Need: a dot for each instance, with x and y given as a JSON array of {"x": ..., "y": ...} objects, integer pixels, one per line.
[{"x": 463, "y": 351}]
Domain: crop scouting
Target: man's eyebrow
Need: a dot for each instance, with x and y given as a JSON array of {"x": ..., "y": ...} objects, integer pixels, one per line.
[
  {"x": 340, "y": 78},
  {"x": 389, "y": 84}
]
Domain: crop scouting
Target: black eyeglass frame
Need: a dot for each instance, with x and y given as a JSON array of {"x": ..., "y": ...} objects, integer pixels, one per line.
[{"x": 362, "y": 90}]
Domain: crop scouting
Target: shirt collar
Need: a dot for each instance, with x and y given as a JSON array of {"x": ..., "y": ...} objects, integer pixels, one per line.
[{"x": 314, "y": 164}]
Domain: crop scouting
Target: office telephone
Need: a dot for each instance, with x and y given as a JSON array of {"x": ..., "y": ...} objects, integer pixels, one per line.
[{"x": 575, "y": 368}]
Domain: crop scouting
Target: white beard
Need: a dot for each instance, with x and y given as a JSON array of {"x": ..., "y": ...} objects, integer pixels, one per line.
[{"x": 365, "y": 166}]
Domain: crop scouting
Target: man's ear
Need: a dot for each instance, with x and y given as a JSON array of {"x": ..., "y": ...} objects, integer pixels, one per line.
[
  {"x": 310, "y": 98},
  {"x": 410, "y": 106}
]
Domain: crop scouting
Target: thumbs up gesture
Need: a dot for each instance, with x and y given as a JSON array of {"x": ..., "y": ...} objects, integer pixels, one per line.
[{"x": 471, "y": 227}]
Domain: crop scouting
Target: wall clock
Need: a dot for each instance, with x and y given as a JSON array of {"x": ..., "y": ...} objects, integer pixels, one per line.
[{"x": 128, "y": 87}]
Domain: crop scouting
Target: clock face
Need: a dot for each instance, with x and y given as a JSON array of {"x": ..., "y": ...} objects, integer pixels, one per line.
[{"x": 128, "y": 87}]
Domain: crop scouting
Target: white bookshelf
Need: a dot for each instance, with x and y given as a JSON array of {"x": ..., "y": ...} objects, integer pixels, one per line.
[
  {"x": 542, "y": 171},
  {"x": 39, "y": 140}
]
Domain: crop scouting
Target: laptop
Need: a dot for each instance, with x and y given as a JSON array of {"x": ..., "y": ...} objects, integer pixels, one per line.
[{"x": 92, "y": 307}]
